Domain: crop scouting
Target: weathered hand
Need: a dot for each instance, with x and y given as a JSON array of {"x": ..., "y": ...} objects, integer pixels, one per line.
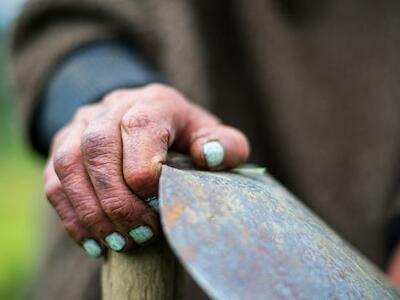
[{"x": 109, "y": 157}]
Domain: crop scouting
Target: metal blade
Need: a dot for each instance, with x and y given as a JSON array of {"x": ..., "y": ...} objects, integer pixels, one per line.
[{"x": 242, "y": 238}]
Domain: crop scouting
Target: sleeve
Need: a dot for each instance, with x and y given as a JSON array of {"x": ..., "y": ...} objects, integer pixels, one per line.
[
  {"x": 82, "y": 77},
  {"x": 47, "y": 31}
]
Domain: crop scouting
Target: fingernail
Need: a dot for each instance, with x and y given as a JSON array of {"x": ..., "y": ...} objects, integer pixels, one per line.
[
  {"x": 115, "y": 241},
  {"x": 92, "y": 248},
  {"x": 213, "y": 153},
  {"x": 141, "y": 234},
  {"x": 153, "y": 203}
]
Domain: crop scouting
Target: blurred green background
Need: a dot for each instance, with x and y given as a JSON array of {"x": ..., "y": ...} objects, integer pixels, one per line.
[{"x": 20, "y": 193}]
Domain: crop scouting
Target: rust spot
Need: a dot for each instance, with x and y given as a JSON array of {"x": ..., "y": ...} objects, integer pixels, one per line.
[
  {"x": 174, "y": 213},
  {"x": 244, "y": 234}
]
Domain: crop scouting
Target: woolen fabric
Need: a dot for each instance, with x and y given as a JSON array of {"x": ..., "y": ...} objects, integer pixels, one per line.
[{"x": 314, "y": 84}]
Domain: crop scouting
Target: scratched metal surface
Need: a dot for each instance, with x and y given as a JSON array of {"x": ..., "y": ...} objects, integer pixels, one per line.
[{"x": 242, "y": 238}]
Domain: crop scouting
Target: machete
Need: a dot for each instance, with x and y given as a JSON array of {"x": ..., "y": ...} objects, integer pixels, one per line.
[{"x": 247, "y": 237}]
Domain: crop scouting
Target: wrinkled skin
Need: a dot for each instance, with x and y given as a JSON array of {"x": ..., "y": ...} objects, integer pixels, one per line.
[{"x": 108, "y": 158}]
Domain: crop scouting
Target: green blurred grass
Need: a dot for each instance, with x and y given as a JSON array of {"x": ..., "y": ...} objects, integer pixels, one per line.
[{"x": 20, "y": 203}]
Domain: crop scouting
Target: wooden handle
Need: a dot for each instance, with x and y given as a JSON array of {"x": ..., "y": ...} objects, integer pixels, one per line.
[{"x": 146, "y": 273}]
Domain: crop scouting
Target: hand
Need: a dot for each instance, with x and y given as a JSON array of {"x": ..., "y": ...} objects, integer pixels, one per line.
[{"x": 109, "y": 157}]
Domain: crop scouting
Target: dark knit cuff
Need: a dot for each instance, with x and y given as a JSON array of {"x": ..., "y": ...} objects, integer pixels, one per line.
[{"x": 82, "y": 77}]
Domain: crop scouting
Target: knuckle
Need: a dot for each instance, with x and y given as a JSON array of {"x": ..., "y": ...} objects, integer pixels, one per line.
[
  {"x": 140, "y": 178},
  {"x": 138, "y": 121},
  {"x": 117, "y": 209},
  {"x": 93, "y": 139},
  {"x": 53, "y": 191},
  {"x": 95, "y": 143},
  {"x": 64, "y": 161},
  {"x": 90, "y": 216}
]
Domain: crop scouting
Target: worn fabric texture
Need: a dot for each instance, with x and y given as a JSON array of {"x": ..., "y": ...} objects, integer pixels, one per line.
[{"x": 314, "y": 84}]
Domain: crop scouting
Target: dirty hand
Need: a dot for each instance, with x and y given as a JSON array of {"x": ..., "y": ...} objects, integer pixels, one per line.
[{"x": 108, "y": 159}]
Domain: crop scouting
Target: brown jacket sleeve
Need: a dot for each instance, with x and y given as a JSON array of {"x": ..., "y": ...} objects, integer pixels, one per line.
[{"x": 47, "y": 30}]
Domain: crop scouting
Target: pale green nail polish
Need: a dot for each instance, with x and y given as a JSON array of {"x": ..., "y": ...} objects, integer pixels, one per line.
[
  {"x": 115, "y": 241},
  {"x": 249, "y": 172},
  {"x": 213, "y": 153},
  {"x": 153, "y": 203},
  {"x": 141, "y": 234},
  {"x": 92, "y": 248}
]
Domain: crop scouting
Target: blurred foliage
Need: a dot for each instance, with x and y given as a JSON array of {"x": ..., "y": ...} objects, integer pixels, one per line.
[{"x": 20, "y": 177}]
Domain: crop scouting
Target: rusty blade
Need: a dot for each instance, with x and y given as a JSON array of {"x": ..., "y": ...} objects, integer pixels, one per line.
[{"x": 242, "y": 238}]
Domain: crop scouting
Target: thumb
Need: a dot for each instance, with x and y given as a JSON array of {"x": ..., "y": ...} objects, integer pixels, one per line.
[{"x": 212, "y": 145}]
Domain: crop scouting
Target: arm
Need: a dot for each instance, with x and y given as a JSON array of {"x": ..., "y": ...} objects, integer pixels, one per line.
[{"x": 107, "y": 158}]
